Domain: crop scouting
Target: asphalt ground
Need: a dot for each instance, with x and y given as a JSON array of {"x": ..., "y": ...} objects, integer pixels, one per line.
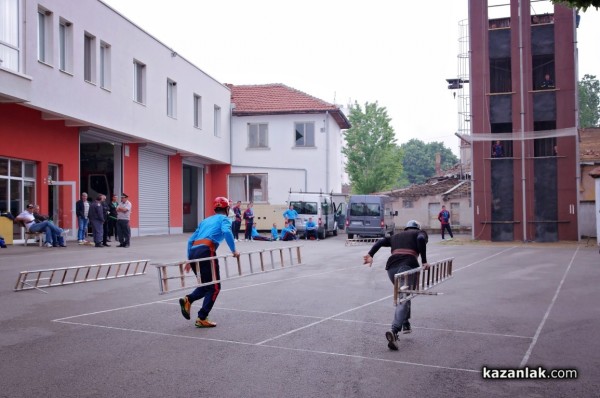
[{"x": 313, "y": 330}]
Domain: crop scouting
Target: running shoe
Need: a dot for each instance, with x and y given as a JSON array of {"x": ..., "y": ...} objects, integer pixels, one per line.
[
  {"x": 185, "y": 305},
  {"x": 392, "y": 339},
  {"x": 205, "y": 323}
]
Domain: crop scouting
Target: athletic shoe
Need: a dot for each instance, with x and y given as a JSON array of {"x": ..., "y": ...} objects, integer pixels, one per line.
[
  {"x": 205, "y": 323},
  {"x": 48, "y": 244},
  {"x": 80, "y": 242},
  {"x": 185, "y": 305},
  {"x": 406, "y": 327},
  {"x": 392, "y": 339},
  {"x": 450, "y": 238}
]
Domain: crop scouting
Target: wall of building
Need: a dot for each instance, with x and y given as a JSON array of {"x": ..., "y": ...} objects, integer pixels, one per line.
[
  {"x": 67, "y": 94},
  {"x": 25, "y": 135},
  {"x": 288, "y": 166}
]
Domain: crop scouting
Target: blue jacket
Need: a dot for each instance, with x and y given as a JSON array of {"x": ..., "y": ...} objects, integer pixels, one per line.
[
  {"x": 310, "y": 225},
  {"x": 289, "y": 228},
  {"x": 216, "y": 228},
  {"x": 274, "y": 233},
  {"x": 290, "y": 214}
]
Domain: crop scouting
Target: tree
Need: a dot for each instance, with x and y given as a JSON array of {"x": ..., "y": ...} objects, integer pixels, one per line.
[
  {"x": 589, "y": 101},
  {"x": 419, "y": 159},
  {"x": 373, "y": 158},
  {"x": 579, "y": 4}
]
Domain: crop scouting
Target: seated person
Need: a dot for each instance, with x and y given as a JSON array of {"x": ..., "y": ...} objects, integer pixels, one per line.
[
  {"x": 288, "y": 232},
  {"x": 547, "y": 83},
  {"x": 257, "y": 236},
  {"x": 311, "y": 229},
  {"x": 274, "y": 232},
  {"x": 46, "y": 227},
  {"x": 497, "y": 150}
]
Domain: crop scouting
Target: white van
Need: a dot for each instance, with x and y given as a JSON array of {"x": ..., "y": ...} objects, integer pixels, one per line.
[
  {"x": 323, "y": 208},
  {"x": 370, "y": 215}
]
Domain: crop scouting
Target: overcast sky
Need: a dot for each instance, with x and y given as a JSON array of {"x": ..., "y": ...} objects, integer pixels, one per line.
[{"x": 397, "y": 53}]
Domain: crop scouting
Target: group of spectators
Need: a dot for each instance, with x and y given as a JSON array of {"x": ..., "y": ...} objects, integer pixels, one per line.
[
  {"x": 288, "y": 232},
  {"x": 108, "y": 219}
]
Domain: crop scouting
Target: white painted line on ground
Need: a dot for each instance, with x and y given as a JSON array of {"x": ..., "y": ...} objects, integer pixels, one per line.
[
  {"x": 543, "y": 322},
  {"x": 274, "y": 347},
  {"x": 322, "y": 320},
  {"x": 364, "y": 322},
  {"x": 483, "y": 259}
]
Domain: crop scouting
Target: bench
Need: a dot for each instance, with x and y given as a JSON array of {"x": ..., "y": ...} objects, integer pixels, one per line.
[{"x": 33, "y": 235}]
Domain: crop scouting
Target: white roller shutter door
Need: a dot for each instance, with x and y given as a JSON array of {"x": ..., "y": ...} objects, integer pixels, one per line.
[{"x": 154, "y": 193}]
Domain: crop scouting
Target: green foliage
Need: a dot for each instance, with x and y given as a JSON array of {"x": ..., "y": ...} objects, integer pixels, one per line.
[
  {"x": 579, "y": 4},
  {"x": 419, "y": 159},
  {"x": 589, "y": 101},
  {"x": 373, "y": 158}
]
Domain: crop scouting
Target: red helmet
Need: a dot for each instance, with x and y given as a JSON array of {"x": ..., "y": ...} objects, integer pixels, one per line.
[{"x": 221, "y": 203}]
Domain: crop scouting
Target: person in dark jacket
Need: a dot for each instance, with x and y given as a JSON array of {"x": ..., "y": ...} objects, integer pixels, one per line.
[
  {"x": 112, "y": 218},
  {"x": 106, "y": 211},
  {"x": 96, "y": 216},
  {"x": 82, "y": 208},
  {"x": 406, "y": 246}
]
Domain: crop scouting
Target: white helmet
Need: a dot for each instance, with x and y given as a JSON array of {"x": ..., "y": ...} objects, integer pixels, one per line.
[{"x": 412, "y": 224}]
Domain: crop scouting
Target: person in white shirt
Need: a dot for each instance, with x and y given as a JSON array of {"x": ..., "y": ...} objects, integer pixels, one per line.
[{"x": 46, "y": 227}]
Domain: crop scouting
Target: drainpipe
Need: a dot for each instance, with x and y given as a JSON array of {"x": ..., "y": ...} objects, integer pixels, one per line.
[
  {"x": 522, "y": 96},
  {"x": 577, "y": 165},
  {"x": 327, "y": 151}
]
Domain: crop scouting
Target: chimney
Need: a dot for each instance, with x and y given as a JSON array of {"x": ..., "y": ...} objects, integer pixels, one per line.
[{"x": 438, "y": 163}]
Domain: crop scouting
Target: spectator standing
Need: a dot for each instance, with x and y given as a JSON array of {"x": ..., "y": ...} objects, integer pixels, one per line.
[
  {"x": 96, "y": 216},
  {"x": 82, "y": 208},
  {"x": 123, "y": 217},
  {"x": 249, "y": 218},
  {"x": 290, "y": 215},
  {"x": 106, "y": 211},
  {"x": 237, "y": 222},
  {"x": 444, "y": 218},
  {"x": 112, "y": 218}
]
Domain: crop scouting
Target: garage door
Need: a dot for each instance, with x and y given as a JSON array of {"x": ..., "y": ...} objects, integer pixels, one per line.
[{"x": 154, "y": 193}]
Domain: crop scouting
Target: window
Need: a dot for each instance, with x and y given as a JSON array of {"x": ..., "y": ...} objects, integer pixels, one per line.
[
  {"x": 258, "y": 134},
  {"x": 407, "y": 204},
  {"x": 65, "y": 45},
  {"x": 89, "y": 58},
  {"x": 305, "y": 134},
  {"x": 197, "y": 111},
  {"x": 217, "y": 121},
  {"x": 105, "y": 65},
  {"x": 44, "y": 36},
  {"x": 249, "y": 187},
  {"x": 171, "y": 98},
  {"x": 9, "y": 34},
  {"x": 139, "y": 82}
]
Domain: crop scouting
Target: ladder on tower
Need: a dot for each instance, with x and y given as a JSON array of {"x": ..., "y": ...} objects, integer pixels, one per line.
[{"x": 85, "y": 273}]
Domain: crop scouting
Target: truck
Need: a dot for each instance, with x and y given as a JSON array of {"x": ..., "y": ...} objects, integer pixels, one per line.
[
  {"x": 370, "y": 215},
  {"x": 324, "y": 208}
]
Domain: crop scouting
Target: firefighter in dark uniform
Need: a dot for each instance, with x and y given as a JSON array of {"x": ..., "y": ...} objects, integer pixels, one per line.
[{"x": 406, "y": 246}]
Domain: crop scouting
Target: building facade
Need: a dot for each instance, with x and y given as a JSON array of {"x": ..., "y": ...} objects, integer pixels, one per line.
[
  {"x": 282, "y": 140},
  {"x": 524, "y": 123},
  {"x": 91, "y": 102}
]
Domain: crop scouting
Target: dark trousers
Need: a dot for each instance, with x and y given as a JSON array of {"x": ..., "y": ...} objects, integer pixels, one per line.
[
  {"x": 448, "y": 228},
  {"x": 248, "y": 231},
  {"x": 112, "y": 227},
  {"x": 236, "y": 229},
  {"x": 124, "y": 232},
  {"x": 208, "y": 292}
]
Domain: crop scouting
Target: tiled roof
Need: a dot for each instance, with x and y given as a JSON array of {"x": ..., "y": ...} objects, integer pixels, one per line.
[
  {"x": 279, "y": 99},
  {"x": 589, "y": 144}
]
